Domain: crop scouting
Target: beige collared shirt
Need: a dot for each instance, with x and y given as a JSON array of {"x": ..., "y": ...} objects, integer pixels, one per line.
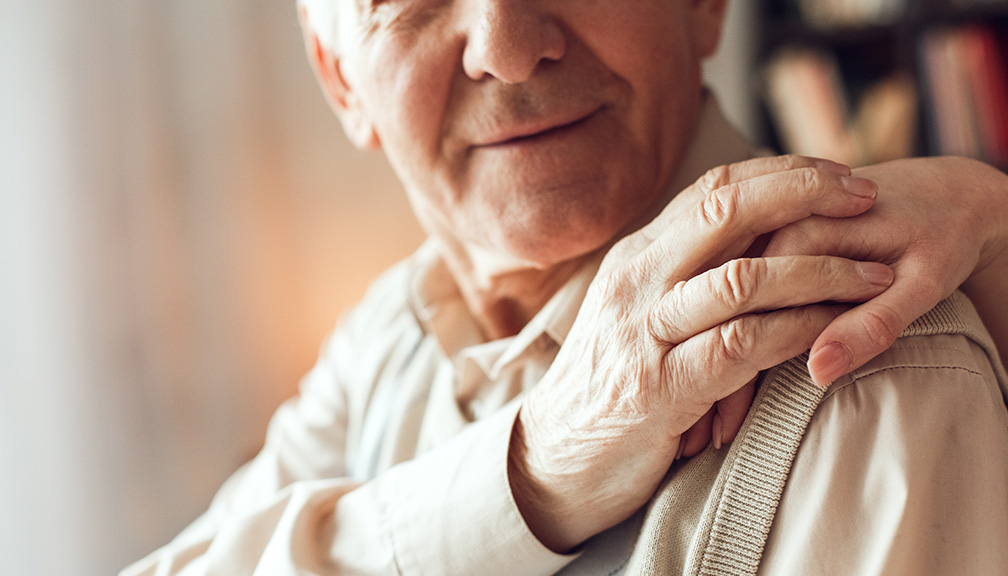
[{"x": 393, "y": 458}]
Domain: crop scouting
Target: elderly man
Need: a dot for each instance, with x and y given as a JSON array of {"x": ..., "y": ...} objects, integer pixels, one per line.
[{"x": 510, "y": 398}]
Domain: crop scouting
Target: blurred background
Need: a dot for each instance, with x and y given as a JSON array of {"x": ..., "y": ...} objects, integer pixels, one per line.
[{"x": 182, "y": 222}]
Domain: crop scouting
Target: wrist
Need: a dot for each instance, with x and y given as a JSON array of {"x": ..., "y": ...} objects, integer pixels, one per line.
[
  {"x": 540, "y": 506},
  {"x": 991, "y": 190}
]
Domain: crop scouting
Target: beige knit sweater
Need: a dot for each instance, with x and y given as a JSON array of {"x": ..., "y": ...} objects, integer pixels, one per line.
[{"x": 733, "y": 521}]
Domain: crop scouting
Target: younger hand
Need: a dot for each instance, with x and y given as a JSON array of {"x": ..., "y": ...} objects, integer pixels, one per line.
[{"x": 939, "y": 222}]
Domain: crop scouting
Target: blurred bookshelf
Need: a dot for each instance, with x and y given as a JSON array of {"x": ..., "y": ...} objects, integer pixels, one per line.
[{"x": 863, "y": 81}]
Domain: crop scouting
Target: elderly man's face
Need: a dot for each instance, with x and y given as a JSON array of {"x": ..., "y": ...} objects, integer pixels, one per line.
[{"x": 536, "y": 129}]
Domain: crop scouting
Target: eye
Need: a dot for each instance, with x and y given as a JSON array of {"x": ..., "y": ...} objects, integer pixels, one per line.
[
  {"x": 371, "y": 6},
  {"x": 400, "y": 16}
]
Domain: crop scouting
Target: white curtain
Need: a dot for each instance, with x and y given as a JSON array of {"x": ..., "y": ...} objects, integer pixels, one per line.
[{"x": 181, "y": 221}]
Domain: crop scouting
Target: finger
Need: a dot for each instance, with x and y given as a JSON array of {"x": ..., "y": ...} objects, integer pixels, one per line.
[
  {"x": 713, "y": 179},
  {"x": 732, "y": 174},
  {"x": 755, "y": 167},
  {"x": 869, "y": 329},
  {"x": 730, "y": 218},
  {"x": 750, "y": 285},
  {"x": 719, "y": 361},
  {"x": 731, "y": 412},
  {"x": 694, "y": 440},
  {"x": 818, "y": 235}
]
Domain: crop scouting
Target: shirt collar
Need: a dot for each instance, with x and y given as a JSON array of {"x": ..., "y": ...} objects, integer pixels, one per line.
[{"x": 437, "y": 302}]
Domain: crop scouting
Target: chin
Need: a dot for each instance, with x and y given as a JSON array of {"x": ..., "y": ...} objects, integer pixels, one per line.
[{"x": 549, "y": 246}]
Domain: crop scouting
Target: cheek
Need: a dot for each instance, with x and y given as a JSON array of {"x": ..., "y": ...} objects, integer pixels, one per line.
[
  {"x": 649, "y": 47},
  {"x": 407, "y": 96},
  {"x": 641, "y": 40}
]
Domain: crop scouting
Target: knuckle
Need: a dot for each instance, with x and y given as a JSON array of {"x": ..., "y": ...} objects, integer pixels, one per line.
[
  {"x": 715, "y": 178},
  {"x": 720, "y": 207},
  {"x": 678, "y": 297},
  {"x": 791, "y": 161},
  {"x": 738, "y": 280},
  {"x": 736, "y": 339},
  {"x": 664, "y": 318},
  {"x": 833, "y": 269},
  {"x": 882, "y": 327},
  {"x": 809, "y": 178},
  {"x": 657, "y": 326}
]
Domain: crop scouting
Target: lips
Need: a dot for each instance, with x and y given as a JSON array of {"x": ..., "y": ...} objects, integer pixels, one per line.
[{"x": 524, "y": 131}]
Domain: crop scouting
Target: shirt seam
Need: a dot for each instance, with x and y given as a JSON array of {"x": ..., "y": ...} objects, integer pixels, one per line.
[
  {"x": 854, "y": 379},
  {"x": 927, "y": 348}
]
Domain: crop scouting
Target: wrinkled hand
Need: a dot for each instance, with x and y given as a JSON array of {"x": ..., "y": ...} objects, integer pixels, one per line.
[
  {"x": 939, "y": 222},
  {"x": 667, "y": 330}
]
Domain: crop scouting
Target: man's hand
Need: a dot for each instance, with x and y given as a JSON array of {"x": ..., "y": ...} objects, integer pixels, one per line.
[
  {"x": 667, "y": 330},
  {"x": 939, "y": 222}
]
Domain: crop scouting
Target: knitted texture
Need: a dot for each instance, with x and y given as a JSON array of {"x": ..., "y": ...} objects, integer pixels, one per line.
[
  {"x": 732, "y": 526},
  {"x": 755, "y": 480}
]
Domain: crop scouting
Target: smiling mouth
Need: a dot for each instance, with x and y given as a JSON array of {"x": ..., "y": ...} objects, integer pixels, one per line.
[
  {"x": 543, "y": 133},
  {"x": 547, "y": 132}
]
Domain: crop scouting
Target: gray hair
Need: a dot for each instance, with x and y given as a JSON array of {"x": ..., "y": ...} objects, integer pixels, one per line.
[{"x": 321, "y": 18}]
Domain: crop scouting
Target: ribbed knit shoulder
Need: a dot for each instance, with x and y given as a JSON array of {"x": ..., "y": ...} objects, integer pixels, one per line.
[{"x": 751, "y": 480}]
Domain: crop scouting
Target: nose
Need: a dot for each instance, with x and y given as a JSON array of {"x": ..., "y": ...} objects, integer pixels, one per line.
[{"x": 507, "y": 39}]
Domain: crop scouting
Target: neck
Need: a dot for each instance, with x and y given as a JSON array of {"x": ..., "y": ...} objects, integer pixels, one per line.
[{"x": 503, "y": 297}]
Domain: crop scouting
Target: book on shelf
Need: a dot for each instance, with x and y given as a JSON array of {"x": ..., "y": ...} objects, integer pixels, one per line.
[
  {"x": 812, "y": 115},
  {"x": 850, "y": 13},
  {"x": 966, "y": 89},
  {"x": 886, "y": 121},
  {"x": 807, "y": 104}
]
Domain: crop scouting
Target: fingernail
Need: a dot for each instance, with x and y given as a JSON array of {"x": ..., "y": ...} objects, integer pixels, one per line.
[
  {"x": 860, "y": 187},
  {"x": 679, "y": 451},
  {"x": 876, "y": 273},
  {"x": 717, "y": 431},
  {"x": 831, "y": 166},
  {"x": 829, "y": 363}
]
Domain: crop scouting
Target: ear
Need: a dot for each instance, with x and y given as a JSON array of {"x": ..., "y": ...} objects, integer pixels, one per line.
[
  {"x": 707, "y": 17},
  {"x": 342, "y": 98}
]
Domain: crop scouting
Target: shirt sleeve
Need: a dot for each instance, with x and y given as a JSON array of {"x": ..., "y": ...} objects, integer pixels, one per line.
[
  {"x": 902, "y": 470},
  {"x": 292, "y": 511}
]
